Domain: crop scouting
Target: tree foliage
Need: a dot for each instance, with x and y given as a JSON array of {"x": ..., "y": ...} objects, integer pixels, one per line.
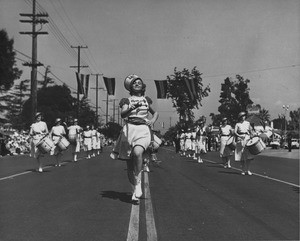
[
  {"x": 294, "y": 123},
  {"x": 178, "y": 92},
  {"x": 8, "y": 70},
  {"x": 234, "y": 97},
  {"x": 111, "y": 130},
  {"x": 57, "y": 101}
]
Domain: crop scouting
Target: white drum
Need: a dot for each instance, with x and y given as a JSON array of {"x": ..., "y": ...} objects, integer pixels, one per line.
[
  {"x": 255, "y": 145},
  {"x": 45, "y": 145},
  {"x": 63, "y": 143}
]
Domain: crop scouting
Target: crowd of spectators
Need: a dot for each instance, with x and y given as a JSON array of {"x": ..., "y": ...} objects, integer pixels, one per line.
[{"x": 13, "y": 142}]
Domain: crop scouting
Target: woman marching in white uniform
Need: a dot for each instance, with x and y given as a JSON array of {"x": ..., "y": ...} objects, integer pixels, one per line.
[
  {"x": 136, "y": 135},
  {"x": 38, "y": 131},
  {"x": 74, "y": 138},
  {"x": 243, "y": 132},
  {"x": 200, "y": 141},
  {"x": 57, "y": 132},
  {"x": 225, "y": 152},
  {"x": 87, "y": 141}
]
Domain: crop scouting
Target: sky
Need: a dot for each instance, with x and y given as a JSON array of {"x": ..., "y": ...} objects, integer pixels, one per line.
[{"x": 257, "y": 39}]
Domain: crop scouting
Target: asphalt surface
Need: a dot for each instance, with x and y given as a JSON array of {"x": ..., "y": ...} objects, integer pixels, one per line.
[{"x": 183, "y": 200}]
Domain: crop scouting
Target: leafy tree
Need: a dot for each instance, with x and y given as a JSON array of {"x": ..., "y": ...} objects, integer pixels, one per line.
[
  {"x": 47, "y": 80},
  {"x": 15, "y": 103},
  {"x": 234, "y": 98},
  {"x": 278, "y": 123},
  {"x": 180, "y": 95},
  {"x": 295, "y": 118},
  {"x": 8, "y": 70},
  {"x": 86, "y": 116},
  {"x": 264, "y": 117},
  {"x": 111, "y": 130},
  {"x": 55, "y": 101},
  {"x": 216, "y": 119}
]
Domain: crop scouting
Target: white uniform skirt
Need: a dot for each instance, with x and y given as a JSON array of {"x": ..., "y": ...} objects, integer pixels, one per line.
[
  {"x": 131, "y": 136},
  {"x": 34, "y": 151},
  {"x": 241, "y": 151},
  {"x": 75, "y": 146},
  {"x": 225, "y": 151},
  {"x": 94, "y": 142},
  {"x": 188, "y": 144},
  {"x": 87, "y": 143}
]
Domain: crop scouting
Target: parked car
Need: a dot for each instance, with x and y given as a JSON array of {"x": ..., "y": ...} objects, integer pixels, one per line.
[
  {"x": 295, "y": 144},
  {"x": 275, "y": 144}
]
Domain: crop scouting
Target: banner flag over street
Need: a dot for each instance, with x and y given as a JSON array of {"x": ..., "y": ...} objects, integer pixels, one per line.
[
  {"x": 161, "y": 86},
  {"x": 79, "y": 83},
  {"x": 110, "y": 84}
]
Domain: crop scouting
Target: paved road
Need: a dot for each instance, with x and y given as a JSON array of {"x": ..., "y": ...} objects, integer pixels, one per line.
[{"x": 183, "y": 200}]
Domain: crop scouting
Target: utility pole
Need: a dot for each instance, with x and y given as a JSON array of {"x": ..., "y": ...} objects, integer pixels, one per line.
[
  {"x": 78, "y": 70},
  {"x": 107, "y": 100},
  {"x": 35, "y": 19},
  {"x": 114, "y": 109},
  {"x": 96, "y": 124}
]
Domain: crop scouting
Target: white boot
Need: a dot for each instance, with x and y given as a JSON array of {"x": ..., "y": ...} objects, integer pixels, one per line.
[{"x": 138, "y": 187}]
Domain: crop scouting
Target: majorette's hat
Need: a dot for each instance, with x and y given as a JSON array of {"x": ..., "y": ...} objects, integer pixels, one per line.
[
  {"x": 38, "y": 114},
  {"x": 129, "y": 80},
  {"x": 241, "y": 114},
  {"x": 57, "y": 120},
  {"x": 224, "y": 119},
  {"x": 75, "y": 120}
]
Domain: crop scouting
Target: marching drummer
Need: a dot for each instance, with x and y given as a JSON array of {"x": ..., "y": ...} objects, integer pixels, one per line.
[
  {"x": 87, "y": 140},
  {"x": 201, "y": 137},
  {"x": 38, "y": 130},
  {"x": 243, "y": 132},
  {"x": 225, "y": 152},
  {"x": 57, "y": 132},
  {"x": 95, "y": 140},
  {"x": 182, "y": 143},
  {"x": 74, "y": 138}
]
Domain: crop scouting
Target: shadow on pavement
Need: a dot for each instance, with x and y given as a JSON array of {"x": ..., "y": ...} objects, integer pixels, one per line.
[{"x": 122, "y": 196}]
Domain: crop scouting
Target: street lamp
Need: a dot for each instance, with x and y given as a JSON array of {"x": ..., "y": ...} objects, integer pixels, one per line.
[{"x": 286, "y": 108}]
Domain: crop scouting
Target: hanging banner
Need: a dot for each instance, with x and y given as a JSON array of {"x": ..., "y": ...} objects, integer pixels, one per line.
[
  {"x": 80, "y": 89},
  {"x": 161, "y": 87},
  {"x": 193, "y": 87},
  {"x": 110, "y": 84},
  {"x": 189, "y": 88},
  {"x": 87, "y": 78}
]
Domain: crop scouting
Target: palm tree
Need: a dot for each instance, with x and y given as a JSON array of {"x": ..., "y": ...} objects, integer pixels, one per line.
[{"x": 264, "y": 117}]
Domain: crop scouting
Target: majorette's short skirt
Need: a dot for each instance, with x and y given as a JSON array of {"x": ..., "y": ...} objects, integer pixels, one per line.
[{"x": 131, "y": 136}]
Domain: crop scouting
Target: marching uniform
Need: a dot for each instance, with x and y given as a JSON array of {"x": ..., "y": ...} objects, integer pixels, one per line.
[
  {"x": 241, "y": 152},
  {"x": 135, "y": 131},
  {"x": 87, "y": 141},
  {"x": 38, "y": 130},
  {"x": 57, "y": 132},
  {"x": 74, "y": 138},
  {"x": 136, "y": 136},
  {"x": 188, "y": 143},
  {"x": 200, "y": 142},
  {"x": 243, "y": 130},
  {"x": 182, "y": 141},
  {"x": 225, "y": 133}
]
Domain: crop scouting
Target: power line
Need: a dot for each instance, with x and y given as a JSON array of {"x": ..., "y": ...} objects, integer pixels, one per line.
[{"x": 252, "y": 71}]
